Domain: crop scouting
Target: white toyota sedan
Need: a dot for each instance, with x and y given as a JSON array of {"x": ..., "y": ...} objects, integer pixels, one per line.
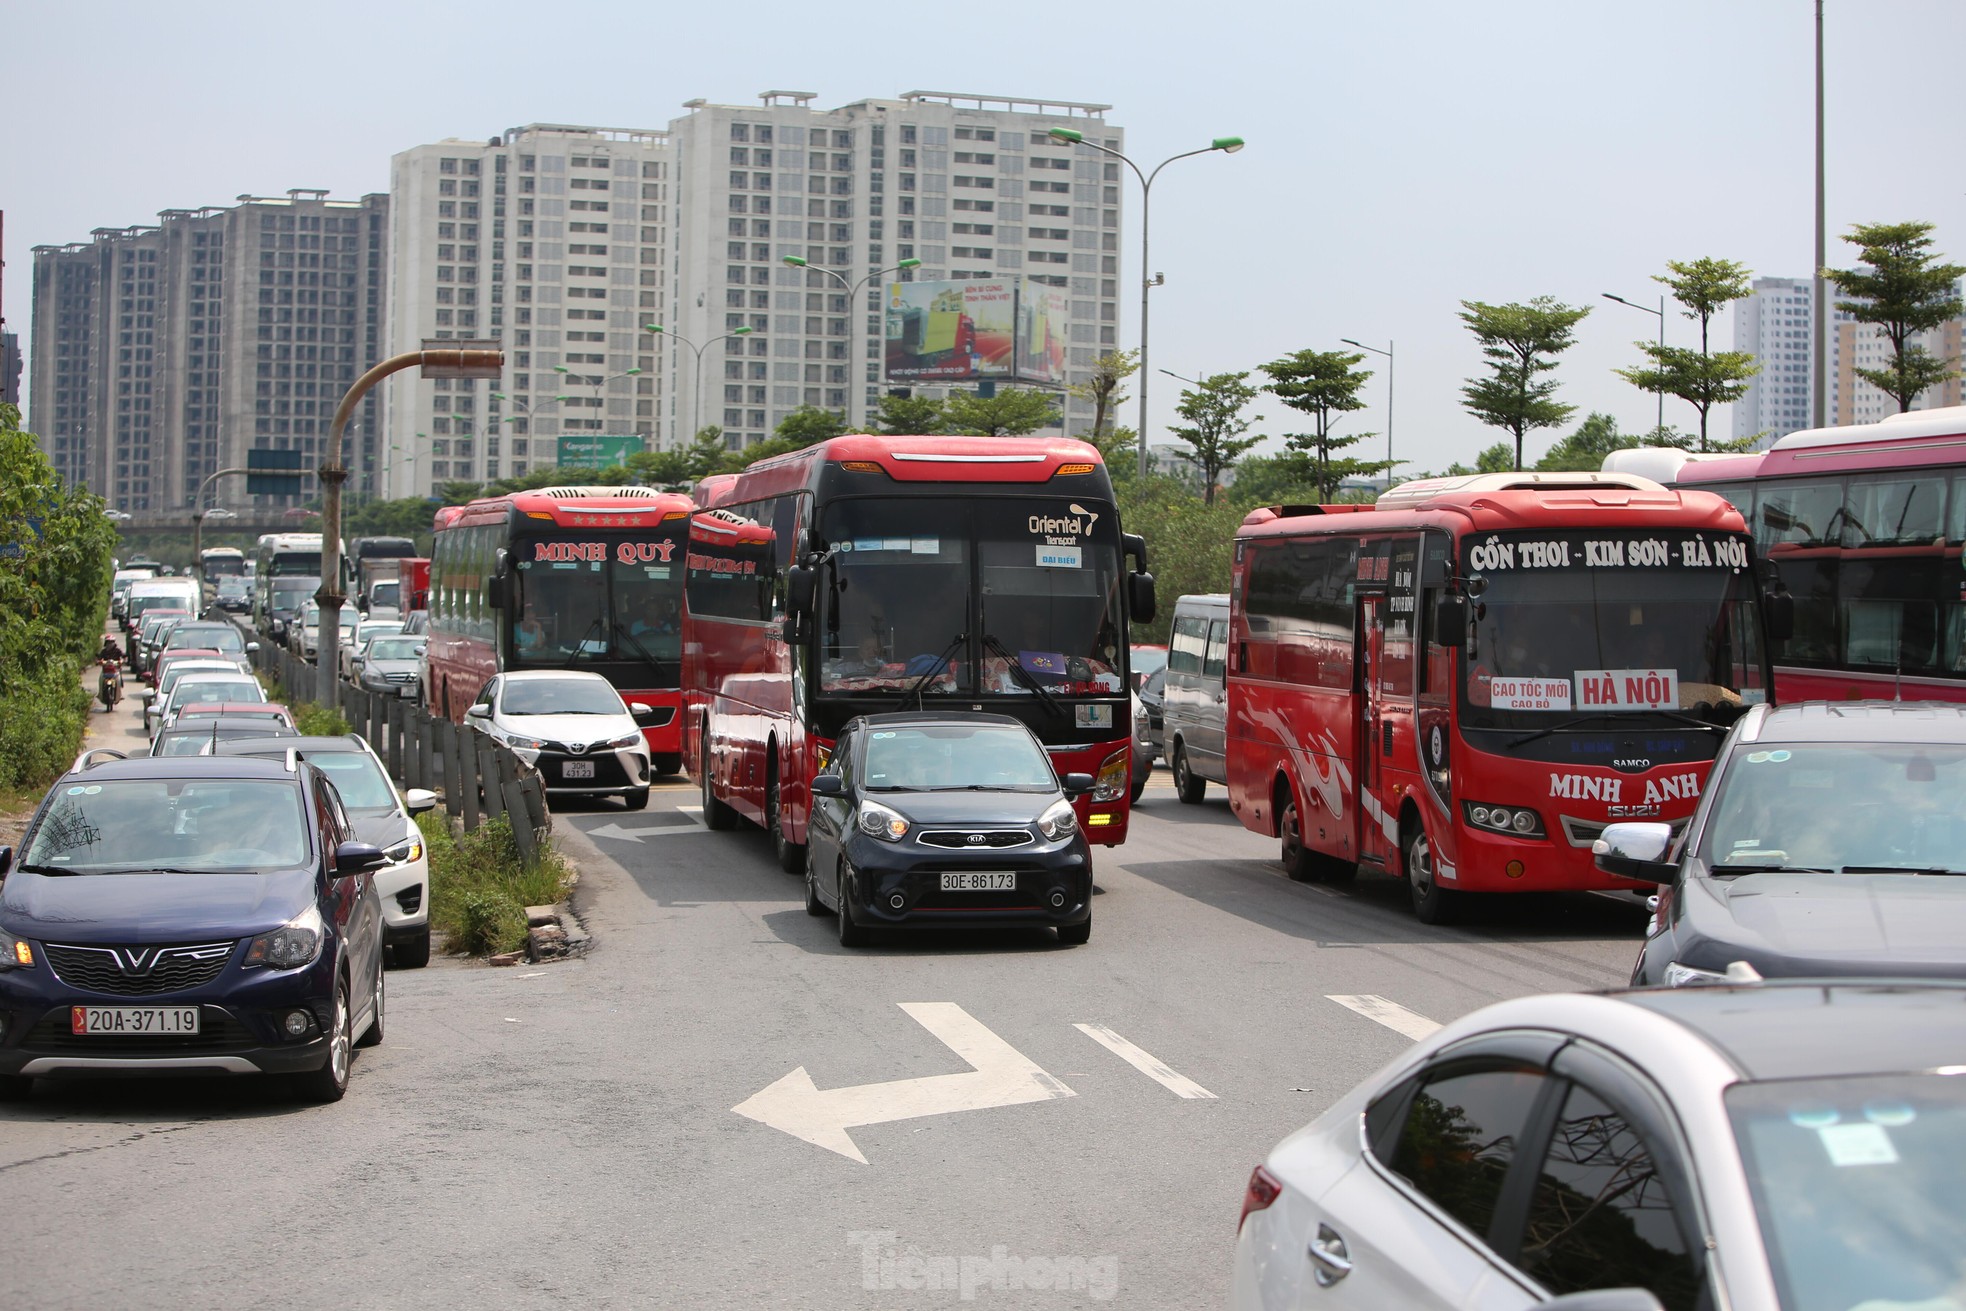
[
  {"x": 573, "y": 727},
  {"x": 1786, "y": 1146}
]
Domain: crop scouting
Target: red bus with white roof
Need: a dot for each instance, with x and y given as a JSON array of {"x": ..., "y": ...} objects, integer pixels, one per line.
[
  {"x": 1865, "y": 525},
  {"x": 1463, "y": 684},
  {"x": 870, "y": 573},
  {"x": 584, "y": 578}
]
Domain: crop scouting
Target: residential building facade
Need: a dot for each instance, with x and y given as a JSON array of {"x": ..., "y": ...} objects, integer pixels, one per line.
[{"x": 163, "y": 353}]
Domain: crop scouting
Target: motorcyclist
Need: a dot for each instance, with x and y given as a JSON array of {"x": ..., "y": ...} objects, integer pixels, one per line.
[
  {"x": 111, "y": 651},
  {"x": 109, "y": 681}
]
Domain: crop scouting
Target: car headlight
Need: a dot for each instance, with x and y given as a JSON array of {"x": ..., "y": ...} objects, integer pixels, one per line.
[
  {"x": 1111, "y": 783},
  {"x": 404, "y": 852},
  {"x": 518, "y": 743},
  {"x": 15, "y": 953},
  {"x": 627, "y": 740},
  {"x": 877, "y": 821},
  {"x": 1058, "y": 822},
  {"x": 294, "y": 945},
  {"x": 1685, "y": 976}
]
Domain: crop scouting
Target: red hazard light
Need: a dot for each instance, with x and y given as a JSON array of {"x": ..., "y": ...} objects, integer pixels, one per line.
[{"x": 1263, "y": 1189}]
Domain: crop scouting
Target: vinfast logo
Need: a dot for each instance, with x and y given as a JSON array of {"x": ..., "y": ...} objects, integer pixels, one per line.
[{"x": 136, "y": 960}]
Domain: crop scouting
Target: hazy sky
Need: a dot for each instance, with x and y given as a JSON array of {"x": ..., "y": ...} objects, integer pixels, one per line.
[{"x": 1401, "y": 157}]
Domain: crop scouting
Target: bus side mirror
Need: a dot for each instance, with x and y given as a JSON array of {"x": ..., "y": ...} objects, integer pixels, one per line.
[
  {"x": 1135, "y": 548},
  {"x": 1450, "y": 619},
  {"x": 1781, "y": 616},
  {"x": 1140, "y": 597},
  {"x": 799, "y": 584},
  {"x": 495, "y": 585}
]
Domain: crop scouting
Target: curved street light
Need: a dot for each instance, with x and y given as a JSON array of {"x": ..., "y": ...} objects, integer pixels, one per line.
[
  {"x": 1388, "y": 353},
  {"x": 696, "y": 404},
  {"x": 856, "y": 387},
  {"x": 1661, "y": 312},
  {"x": 1148, "y": 281}
]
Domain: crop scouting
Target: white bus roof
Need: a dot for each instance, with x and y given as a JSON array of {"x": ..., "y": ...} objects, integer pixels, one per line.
[
  {"x": 1949, "y": 421},
  {"x": 1421, "y": 490}
]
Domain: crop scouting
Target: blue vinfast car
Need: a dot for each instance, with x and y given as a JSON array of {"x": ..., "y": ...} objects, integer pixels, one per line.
[{"x": 189, "y": 915}]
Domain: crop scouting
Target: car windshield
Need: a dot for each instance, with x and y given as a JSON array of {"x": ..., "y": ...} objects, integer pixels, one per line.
[
  {"x": 215, "y": 637},
  {"x": 168, "y": 680},
  {"x": 1857, "y": 1188},
  {"x": 1875, "y": 807},
  {"x": 396, "y": 648},
  {"x": 560, "y": 696},
  {"x": 954, "y": 756},
  {"x": 193, "y": 741},
  {"x": 207, "y": 825},
  {"x": 196, "y": 691},
  {"x": 357, "y": 778}
]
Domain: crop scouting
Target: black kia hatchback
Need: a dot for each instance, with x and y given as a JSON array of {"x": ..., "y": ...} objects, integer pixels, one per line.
[
  {"x": 946, "y": 821},
  {"x": 189, "y": 915}
]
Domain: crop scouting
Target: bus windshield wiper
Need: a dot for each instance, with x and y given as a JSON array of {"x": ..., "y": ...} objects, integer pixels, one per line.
[
  {"x": 1900, "y": 869},
  {"x": 1625, "y": 715},
  {"x": 1022, "y": 674},
  {"x": 623, "y": 635},
  {"x": 914, "y": 691},
  {"x": 580, "y": 647}
]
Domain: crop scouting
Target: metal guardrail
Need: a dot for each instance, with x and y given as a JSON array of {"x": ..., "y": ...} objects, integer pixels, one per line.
[{"x": 478, "y": 778}]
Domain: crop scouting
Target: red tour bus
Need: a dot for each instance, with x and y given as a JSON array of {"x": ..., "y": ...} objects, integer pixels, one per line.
[
  {"x": 587, "y": 578},
  {"x": 1465, "y": 683},
  {"x": 866, "y": 574},
  {"x": 1864, "y": 524}
]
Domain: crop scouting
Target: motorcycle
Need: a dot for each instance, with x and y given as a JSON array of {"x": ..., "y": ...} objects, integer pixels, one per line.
[{"x": 109, "y": 684}]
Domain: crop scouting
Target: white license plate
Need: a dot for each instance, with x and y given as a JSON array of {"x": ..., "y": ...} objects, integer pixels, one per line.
[
  {"x": 409, "y": 691},
  {"x": 962, "y": 882},
  {"x": 577, "y": 769},
  {"x": 133, "y": 1020}
]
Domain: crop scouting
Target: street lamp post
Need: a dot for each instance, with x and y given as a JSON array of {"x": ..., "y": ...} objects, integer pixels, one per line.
[
  {"x": 1661, "y": 312},
  {"x": 597, "y": 384},
  {"x": 1148, "y": 281},
  {"x": 1388, "y": 353},
  {"x": 696, "y": 403},
  {"x": 857, "y": 386}
]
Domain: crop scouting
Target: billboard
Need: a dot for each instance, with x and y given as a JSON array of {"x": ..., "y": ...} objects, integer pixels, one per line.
[
  {"x": 1007, "y": 329},
  {"x": 596, "y": 451}
]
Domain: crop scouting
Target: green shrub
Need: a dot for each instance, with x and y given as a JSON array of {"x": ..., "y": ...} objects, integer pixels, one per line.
[
  {"x": 316, "y": 720},
  {"x": 43, "y": 716},
  {"x": 479, "y": 890}
]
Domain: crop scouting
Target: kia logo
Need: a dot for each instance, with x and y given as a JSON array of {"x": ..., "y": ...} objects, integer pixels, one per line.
[{"x": 975, "y": 839}]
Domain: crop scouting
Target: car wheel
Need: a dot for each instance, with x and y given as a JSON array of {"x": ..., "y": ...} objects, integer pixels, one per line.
[
  {"x": 15, "y": 1087},
  {"x": 372, "y": 1036},
  {"x": 328, "y": 1083},
  {"x": 1432, "y": 904},
  {"x": 1075, "y": 935},
  {"x": 1186, "y": 785},
  {"x": 1300, "y": 862},
  {"x": 851, "y": 934},
  {"x": 665, "y": 763},
  {"x": 1139, "y": 790},
  {"x": 637, "y": 800},
  {"x": 814, "y": 906},
  {"x": 791, "y": 855},
  {"x": 412, "y": 953},
  {"x": 716, "y": 815}
]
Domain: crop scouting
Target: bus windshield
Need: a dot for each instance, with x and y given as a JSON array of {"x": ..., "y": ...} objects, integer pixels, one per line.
[
  {"x": 1599, "y": 622},
  {"x": 895, "y": 609},
  {"x": 614, "y": 596}
]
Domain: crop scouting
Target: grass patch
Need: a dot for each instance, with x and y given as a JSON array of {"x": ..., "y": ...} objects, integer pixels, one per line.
[
  {"x": 311, "y": 717},
  {"x": 479, "y": 889}
]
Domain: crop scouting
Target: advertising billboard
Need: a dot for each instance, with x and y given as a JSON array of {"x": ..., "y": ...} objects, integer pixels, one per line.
[
  {"x": 1042, "y": 330},
  {"x": 951, "y": 331},
  {"x": 596, "y": 450}
]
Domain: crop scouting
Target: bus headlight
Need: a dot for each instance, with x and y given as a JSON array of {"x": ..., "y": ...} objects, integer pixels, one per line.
[
  {"x": 1516, "y": 821},
  {"x": 1111, "y": 783}
]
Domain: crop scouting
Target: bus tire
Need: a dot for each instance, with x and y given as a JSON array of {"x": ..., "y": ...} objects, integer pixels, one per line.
[
  {"x": 1186, "y": 785},
  {"x": 791, "y": 855},
  {"x": 665, "y": 763},
  {"x": 717, "y": 816},
  {"x": 1432, "y": 904},
  {"x": 1300, "y": 861}
]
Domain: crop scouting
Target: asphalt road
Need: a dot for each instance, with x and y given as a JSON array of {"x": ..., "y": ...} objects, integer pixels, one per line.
[{"x": 540, "y": 1135}]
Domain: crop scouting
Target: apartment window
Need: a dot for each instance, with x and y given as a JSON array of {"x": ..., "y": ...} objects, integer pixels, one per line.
[
  {"x": 740, "y": 155},
  {"x": 740, "y": 131},
  {"x": 447, "y": 166}
]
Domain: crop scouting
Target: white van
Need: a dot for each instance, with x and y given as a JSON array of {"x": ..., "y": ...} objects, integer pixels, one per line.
[
  {"x": 1195, "y": 707},
  {"x": 161, "y": 594}
]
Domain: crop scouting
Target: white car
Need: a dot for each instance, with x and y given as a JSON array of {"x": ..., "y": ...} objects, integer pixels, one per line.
[
  {"x": 206, "y": 687},
  {"x": 153, "y": 697},
  {"x": 368, "y": 628},
  {"x": 1778, "y": 1145},
  {"x": 309, "y": 628},
  {"x": 573, "y": 727},
  {"x": 380, "y": 816},
  {"x": 392, "y": 664}
]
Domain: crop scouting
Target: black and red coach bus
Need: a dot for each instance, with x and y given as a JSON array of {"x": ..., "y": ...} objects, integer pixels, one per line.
[
  {"x": 871, "y": 573},
  {"x": 587, "y": 578}
]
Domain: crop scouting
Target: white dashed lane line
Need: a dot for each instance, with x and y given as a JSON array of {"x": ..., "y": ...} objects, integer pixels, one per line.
[{"x": 1389, "y": 1013}]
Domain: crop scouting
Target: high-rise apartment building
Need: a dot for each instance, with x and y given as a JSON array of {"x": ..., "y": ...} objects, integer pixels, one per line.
[
  {"x": 972, "y": 186},
  {"x": 10, "y": 361},
  {"x": 1775, "y": 325},
  {"x": 552, "y": 240},
  {"x": 163, "y": 353}
]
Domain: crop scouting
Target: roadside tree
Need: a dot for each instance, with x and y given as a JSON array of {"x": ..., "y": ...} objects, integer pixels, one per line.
[
  {"x": 1215, "y": 427},
  {"x": 1905, "y": 291},
  {"x": 1703, "y": 378},
  {"x": 1521, "y": 343}
]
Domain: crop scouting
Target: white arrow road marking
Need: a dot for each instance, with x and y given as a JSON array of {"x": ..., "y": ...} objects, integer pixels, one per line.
[
  {"x": 1002, "y": 1076},
  {"x": 1145, "y": 1062},
  {"x": 1389, "y": 1013},
  {"x": 637, "y": 834}
]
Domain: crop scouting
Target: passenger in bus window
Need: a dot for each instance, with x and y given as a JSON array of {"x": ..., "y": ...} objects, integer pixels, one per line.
[{"x": 867, "y": 661}]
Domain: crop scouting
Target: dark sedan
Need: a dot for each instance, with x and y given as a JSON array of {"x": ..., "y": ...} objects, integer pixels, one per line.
[
  {"x": 946, "y": 821},
  {"x": 190, "y": 916},
  {"x": 1831, "y": 842}
]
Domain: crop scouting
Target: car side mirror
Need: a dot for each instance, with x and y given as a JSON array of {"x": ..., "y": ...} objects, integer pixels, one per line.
[
  {"x": 1140, "y": 597},
  {"x": 6, "y": 861},
  {"x": 146, "y": 693},
  {"x": 1635, "y": 851},
  {"x": 1077, "y": 785},
  {"x": 357, "y": 858},
  {"x": 640, "y": 710},
  {"x": 829, "y": 785},
  {"x": 418, "y": 800},
  {"x": 1450, "y": 620},
  {"x": 1606, "y": 1299},
  {"x": 479, "y": 711},
  {"x": 251, "y": 647}
]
